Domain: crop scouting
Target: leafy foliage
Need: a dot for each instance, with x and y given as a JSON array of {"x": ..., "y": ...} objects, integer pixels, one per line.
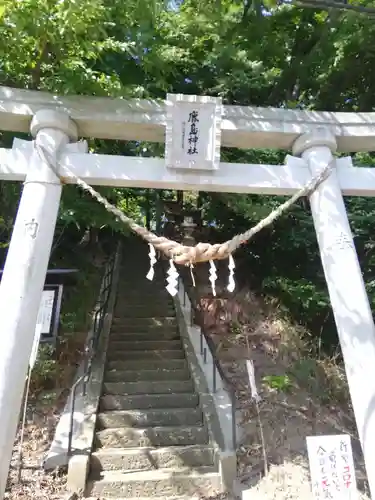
[{"x": 250, "y": 53}]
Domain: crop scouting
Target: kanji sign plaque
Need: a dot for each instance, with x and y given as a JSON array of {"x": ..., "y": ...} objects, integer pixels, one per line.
[{"x": 193, "y": 132}]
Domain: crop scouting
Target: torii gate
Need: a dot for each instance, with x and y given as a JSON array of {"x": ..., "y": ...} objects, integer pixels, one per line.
[{"x": 56, "y": 123}]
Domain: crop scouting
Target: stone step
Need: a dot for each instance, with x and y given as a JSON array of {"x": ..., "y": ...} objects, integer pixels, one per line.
[
  {"x": 152, "y": 458},
  {"x": 157, "y": 483},
  {"x": 144, "y": 375},
  {"x": 153, "y": 331},
  {"x": 149, "y": 387},
  {"x": 147, "y": 355},
  {"x": 150, "y": 418},
  {"x": 135, "y": 284},
  {"x": 139, "y": 345},
  {"x": 139, "y": 297},
  {"x": 143, "y": 312},
  {"x": 143, "y": 402},
  {"x": 123, "y": 437},
  {"x": 152, "y": 321},
  {"x": 148, "y": 364},
  {"x": 135, "y": 325},
  {"x": 142, "y": 298},
  {"x": 154, "y": 334},
  {"x": 156, "y": 287},
  {"x": 156, "y": 291},
  {"x": 135, "y": 275},
  {"x": 144, "y": 294},
  {"x": 137, "y": 280},
  {"x": 142, "y": 303}
]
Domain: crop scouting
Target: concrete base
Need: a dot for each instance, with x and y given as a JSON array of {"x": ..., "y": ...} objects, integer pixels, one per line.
[
  {"x": 78, "y": 470},
  {"x": 227, "y": 469}
]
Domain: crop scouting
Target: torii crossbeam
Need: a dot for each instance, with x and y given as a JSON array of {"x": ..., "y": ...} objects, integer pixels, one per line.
[{"x": 313, "y": 137}]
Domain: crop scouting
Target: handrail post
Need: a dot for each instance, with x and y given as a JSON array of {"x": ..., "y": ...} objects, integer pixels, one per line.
[{"x": 72, "y": 409}]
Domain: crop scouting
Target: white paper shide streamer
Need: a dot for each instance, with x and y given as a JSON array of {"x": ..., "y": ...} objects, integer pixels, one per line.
[
  {"x": 213, "y": 277},
  {"x": 152, "y": 255},
  {"x": 172, "y": 279},
  {"x": 231, "y": 266}
]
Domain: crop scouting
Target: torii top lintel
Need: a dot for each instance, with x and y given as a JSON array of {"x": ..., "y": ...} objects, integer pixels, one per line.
[{"x": 135, "y": 119}]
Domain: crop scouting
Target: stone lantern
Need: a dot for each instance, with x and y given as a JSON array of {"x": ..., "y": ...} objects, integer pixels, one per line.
[
  {"x": 191, "y": 222},
  {"x": 188, "y": 226}
]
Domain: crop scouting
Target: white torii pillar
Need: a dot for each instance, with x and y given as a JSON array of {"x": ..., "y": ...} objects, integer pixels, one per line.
[
  {"x": 25, "y": 271},
  {"x": 346, "y": 288}
]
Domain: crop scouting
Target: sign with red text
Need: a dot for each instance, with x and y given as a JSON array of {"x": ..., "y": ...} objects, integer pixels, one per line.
[{"x": 332, "y": 467}]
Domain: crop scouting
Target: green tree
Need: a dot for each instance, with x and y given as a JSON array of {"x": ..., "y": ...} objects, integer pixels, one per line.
[{"x": 249, "y": 53}]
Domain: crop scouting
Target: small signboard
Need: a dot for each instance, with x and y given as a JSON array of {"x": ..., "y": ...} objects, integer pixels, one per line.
[
  {"x": 49, "y": 312},
  {"x": 193, "y": 132},
  {"x": 49, "y": 309},
  {"x": 44, "y": 320},
  {"x": 332, "y": 467}
]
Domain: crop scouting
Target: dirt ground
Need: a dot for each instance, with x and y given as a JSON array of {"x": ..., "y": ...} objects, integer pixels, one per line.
[
  {"x": 272, "y": 454},
  {"x": 35, "y": 484}
]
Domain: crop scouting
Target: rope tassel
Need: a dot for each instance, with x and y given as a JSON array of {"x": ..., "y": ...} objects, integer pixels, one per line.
[
  {"x": 231, "y": 266},
  {"x": 172, "y": 279},
  {"x": 192, "y": 274}
]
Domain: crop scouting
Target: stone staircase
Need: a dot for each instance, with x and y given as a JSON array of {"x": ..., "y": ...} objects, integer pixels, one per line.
[{"x": 151, "y": 438}]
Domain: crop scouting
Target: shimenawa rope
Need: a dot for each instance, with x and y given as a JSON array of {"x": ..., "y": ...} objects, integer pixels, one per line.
[{"x": 181, "y": 254}]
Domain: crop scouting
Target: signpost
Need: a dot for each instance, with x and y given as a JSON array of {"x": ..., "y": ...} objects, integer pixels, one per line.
[
  {"x": 194, "y": 128},
  {"x": 332, "y": 467}
]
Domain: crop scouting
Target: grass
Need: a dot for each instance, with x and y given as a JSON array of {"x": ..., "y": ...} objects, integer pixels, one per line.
[{"x": 321, "y": 374}]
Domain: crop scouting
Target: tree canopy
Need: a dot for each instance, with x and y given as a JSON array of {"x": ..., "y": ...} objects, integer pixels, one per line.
[{"x": 272, "y": 53}]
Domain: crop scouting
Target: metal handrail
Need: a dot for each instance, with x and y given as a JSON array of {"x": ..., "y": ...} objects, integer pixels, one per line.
[
  {"x": 216, "y": 366},
  {"x": 91, "y": 348}
]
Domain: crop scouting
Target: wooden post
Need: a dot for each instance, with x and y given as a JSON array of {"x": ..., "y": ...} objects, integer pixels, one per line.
[
  {"x": 24, "y": 273},
  {"x": 346, "y": 288}
]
